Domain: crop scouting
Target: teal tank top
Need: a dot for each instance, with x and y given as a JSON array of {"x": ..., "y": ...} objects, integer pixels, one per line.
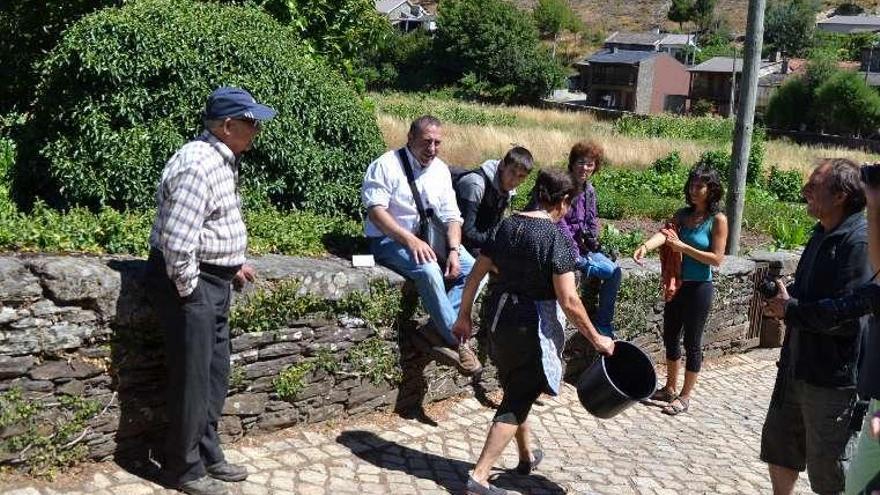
[{"x": 699, "y": 237}]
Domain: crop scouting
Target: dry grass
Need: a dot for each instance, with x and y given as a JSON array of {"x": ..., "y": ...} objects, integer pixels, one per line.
[
  {"x": 549, "y": 134},
  {"x": 787, "y": 155},
  {"x": 467, "y": 145}
]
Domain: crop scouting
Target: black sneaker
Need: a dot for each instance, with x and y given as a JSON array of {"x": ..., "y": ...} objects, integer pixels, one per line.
[
  {"x": 225, "y": 471},
  {"x": 204, "y": 486},
  {"x": 475, "y": 488}
]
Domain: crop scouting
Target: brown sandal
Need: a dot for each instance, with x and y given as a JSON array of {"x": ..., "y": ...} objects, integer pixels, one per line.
[{"x": 674, "y": 409}]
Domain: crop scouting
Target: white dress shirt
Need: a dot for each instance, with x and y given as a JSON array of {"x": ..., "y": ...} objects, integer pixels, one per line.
[{"x": 385, "y": 185}]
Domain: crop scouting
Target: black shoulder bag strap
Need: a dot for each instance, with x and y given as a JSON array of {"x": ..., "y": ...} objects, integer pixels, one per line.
[{"x": 410, "y": 177}]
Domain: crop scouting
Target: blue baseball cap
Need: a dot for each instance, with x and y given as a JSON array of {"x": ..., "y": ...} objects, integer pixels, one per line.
[{"x": 226, "y": 102}]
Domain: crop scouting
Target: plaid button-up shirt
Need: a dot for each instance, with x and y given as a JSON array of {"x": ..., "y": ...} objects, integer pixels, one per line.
[{"x": 198, "y": 218}]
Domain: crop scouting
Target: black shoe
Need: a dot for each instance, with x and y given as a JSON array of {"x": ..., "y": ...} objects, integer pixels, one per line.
[
  {"x": 225, "y": 471},
  {"x": 525, "y": 467},
  {"x": 204, "y": 486},
  {"x": 475, "y": 488}
]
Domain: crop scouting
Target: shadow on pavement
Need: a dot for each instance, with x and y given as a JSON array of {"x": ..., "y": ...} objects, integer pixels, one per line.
[{"x": 451, "y": 474}]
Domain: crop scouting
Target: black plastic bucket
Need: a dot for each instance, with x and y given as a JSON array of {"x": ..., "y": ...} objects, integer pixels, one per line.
[{"x": 611, "y": 384}]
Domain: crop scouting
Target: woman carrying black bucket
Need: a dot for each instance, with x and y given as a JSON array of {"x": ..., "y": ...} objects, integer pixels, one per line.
[
  {"x": 535, "y": 267},
  {"x": 700, "y": 235}
]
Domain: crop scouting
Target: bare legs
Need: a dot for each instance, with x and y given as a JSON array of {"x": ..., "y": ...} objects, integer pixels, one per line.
[
  {"x": 499, "y": 436},
  {"x": 690, "y": 379},
  {"x": 783, "y": 479}
]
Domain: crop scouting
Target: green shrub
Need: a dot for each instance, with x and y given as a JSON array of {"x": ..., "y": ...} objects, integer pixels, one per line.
[
  {"x": 497, "y": 44},
  {"x": 676, "y": 127},
  {"x": 787, "y": 107},
  {"x": 618, "y": 243},
  {"x": 290, "y": 382},
  {"x": 848, "y": 105},
  {"x": 44, "y": 434},
  {"x": 668, "y": 164},
  {"x": 124, "y": 87},
  {"x": 785, "y": 184},
  {"x": 376, "y": 359}
]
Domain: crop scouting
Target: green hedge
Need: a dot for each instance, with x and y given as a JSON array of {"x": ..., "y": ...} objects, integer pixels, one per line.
[
  {"x": 125, "y": 86},
  {"x": 676, "y": 127}
]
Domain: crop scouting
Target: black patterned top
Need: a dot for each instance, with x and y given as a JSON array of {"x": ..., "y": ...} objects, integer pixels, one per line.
[{"x": 528, "y": 251}]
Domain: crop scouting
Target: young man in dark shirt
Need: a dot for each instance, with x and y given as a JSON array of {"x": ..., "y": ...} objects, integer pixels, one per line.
[{"x": 484, "y": 194}]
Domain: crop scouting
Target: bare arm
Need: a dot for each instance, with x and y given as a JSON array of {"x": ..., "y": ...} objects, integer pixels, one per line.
[
  {"x": 651, "y": 244},
  {"x": 566, "y": 294},
  {"x": 464, "y": 324},
  {"x": 421, "y": 252}
]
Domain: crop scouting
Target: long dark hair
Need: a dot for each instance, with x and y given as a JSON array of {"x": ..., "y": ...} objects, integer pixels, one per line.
[{"x": 710, "y": 177}]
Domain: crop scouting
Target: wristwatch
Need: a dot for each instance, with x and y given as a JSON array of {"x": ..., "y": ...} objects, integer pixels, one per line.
[{"x": 453, "y": 248}]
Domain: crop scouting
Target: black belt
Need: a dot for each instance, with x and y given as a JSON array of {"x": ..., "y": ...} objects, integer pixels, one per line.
[{"x": 224, "y": 272}]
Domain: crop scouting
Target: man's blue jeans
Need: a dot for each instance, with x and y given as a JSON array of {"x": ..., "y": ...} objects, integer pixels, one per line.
[
  {"x": 441, "y": 305},
  {"x": 599, "y": 266}
]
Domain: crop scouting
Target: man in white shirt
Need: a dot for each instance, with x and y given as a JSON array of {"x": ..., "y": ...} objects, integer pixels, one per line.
[{"x": 392, "y": 226}]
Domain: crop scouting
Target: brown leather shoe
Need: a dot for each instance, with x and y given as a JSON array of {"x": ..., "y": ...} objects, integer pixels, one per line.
[{"x": 468, "y": 362}]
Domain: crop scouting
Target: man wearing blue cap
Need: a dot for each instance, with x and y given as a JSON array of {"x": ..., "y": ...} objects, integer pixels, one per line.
[{"x": 197, "y": 252}]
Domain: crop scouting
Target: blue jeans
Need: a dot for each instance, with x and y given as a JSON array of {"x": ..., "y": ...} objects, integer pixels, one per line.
[
  {"x": 442, "y": 306},
  {"x": 599, "y": 266}
]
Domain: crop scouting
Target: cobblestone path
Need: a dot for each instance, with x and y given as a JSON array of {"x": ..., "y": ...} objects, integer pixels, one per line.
[{"x": 713, "y": 448}]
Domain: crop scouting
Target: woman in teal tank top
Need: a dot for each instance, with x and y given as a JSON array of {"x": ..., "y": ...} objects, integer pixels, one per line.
[{"x": 701, "y": 238}]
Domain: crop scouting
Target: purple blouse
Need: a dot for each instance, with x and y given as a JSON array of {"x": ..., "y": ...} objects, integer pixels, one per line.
[{"x": 582, "y": 219}]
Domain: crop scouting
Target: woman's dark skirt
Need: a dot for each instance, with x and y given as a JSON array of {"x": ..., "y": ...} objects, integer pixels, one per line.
[{"x": 516, "y": 352}]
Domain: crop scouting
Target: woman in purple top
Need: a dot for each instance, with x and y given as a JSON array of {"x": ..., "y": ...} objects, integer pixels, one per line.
[{"x": 581, "y": 226}]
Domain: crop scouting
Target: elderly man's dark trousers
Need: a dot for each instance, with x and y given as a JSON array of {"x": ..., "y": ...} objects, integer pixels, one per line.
[{"x": 197, "y": 351}]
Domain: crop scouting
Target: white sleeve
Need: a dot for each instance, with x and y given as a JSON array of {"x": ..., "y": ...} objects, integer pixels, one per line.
[{"x": 375, "y": 190}]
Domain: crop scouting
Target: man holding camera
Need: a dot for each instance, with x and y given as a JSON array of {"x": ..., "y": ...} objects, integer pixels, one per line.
[
  {"x": 863, "y": 474},
  {"x": 808, "y": 421},
  {"x": 392, "y": 186}
]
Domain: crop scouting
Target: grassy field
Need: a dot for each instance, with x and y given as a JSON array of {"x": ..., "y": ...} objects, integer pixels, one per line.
[{"x": 476, "y": 132}]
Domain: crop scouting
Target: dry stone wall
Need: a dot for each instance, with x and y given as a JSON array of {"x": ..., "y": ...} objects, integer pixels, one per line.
[{"x": 81, "y": 327}]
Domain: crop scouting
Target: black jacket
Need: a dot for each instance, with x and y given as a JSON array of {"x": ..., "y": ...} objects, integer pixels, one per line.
[
  {"x": 833, "y": 265},
  {"x": 482, "y": 204}
]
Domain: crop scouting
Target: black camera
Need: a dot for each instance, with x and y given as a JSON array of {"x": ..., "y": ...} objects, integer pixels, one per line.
[
  {"x": 767, "y": 286},
  {"x": 870, "y": 174}
]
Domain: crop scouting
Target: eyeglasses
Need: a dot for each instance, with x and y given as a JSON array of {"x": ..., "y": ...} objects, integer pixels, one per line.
[
  {"x": 256, "y": 124},
  {"x": 584, "y": 162}
]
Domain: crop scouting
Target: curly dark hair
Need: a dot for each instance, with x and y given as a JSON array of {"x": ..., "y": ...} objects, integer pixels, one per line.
[{"x": 710, "y": 177}]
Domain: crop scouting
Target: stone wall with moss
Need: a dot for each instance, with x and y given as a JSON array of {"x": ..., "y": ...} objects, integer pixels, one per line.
[{"x": 82, "y": 362}]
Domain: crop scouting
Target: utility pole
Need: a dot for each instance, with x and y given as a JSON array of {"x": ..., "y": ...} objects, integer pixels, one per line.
[
  {"x": 731, "y": 111},
  {"x": 745, "y": 121}
]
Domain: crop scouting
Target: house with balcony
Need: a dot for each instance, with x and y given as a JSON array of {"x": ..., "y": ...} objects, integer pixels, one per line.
[{"x": 642, "y": 82}]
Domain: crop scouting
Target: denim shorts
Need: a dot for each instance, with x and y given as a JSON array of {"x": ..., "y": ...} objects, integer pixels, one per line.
[{"x": 808, "y": 427}]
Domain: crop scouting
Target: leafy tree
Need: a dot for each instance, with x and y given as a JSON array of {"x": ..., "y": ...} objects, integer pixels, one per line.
[
  {"x": 31, "y": 28},
  {"x": 789, "y": 26},
  {"x": 847, "y": 105},
  {"x": 681, "y": 11},
  {"x": 124, "y": 88},
  {"x": 346, "y": 32},
  {"x": 786, "y": 109},
  {"x": 497, "y": 47},
  {"x": 704, "y": 14},
  {"x": 552, "y": 17}
]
